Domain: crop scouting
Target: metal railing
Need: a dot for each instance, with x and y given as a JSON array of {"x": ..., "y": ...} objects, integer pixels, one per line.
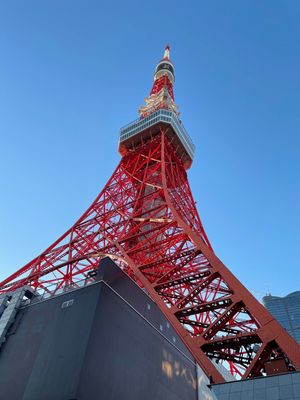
[{"x": 166, "y": 116}]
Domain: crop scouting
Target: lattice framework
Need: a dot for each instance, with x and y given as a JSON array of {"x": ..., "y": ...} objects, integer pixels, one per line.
[{"x": 145, "y": 219}]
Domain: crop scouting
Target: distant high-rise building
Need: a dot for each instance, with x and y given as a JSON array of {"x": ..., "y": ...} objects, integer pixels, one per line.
[{"x": 287, "y": 311}]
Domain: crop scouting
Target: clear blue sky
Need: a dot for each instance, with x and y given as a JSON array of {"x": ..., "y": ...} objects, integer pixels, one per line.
[{"x": 73, "y": 72}]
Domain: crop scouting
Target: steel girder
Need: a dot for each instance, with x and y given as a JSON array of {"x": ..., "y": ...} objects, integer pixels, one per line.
[{"x": 145, "y": 219}]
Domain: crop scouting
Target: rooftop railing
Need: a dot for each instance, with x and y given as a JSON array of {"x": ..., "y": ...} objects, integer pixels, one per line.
[{"x": 166, "y": 116}]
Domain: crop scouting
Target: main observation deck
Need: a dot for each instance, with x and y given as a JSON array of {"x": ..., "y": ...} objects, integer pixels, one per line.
[{"x": 142, "y": 129}]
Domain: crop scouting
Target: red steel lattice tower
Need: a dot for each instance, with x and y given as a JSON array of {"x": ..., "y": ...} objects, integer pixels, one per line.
[{"x": 145, "y": 219}]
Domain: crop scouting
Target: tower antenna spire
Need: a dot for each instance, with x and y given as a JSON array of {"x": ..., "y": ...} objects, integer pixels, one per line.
[
  {"x": 167, "y": 52},
  {"x": 162, "y": 93}
]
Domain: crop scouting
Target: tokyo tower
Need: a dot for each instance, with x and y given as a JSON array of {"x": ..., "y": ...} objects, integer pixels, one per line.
[{"x": 145, "y": 219}]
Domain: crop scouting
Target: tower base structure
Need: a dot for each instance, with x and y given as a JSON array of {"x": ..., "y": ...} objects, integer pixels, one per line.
[
  {"x": 106, "y": 340},
  {"x": 109, "y": 340}
]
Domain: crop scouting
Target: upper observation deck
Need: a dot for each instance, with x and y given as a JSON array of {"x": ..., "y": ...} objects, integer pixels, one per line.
[{"x": 142, "y": 129}]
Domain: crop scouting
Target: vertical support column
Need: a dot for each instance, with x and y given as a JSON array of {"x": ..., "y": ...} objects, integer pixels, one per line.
[{"x": 9, "y": 306}]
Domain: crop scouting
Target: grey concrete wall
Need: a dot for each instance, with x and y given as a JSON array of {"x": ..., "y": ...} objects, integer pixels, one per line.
[{"x": 111, "y": 342}]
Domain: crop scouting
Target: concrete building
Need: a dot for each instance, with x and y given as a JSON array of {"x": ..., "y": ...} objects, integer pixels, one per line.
[
  {"x": 276, "y": 387},
  {"x": 107, "y": 339}
]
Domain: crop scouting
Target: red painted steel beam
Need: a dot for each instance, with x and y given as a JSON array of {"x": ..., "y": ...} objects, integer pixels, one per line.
[{"x": 146, "y": 220}]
